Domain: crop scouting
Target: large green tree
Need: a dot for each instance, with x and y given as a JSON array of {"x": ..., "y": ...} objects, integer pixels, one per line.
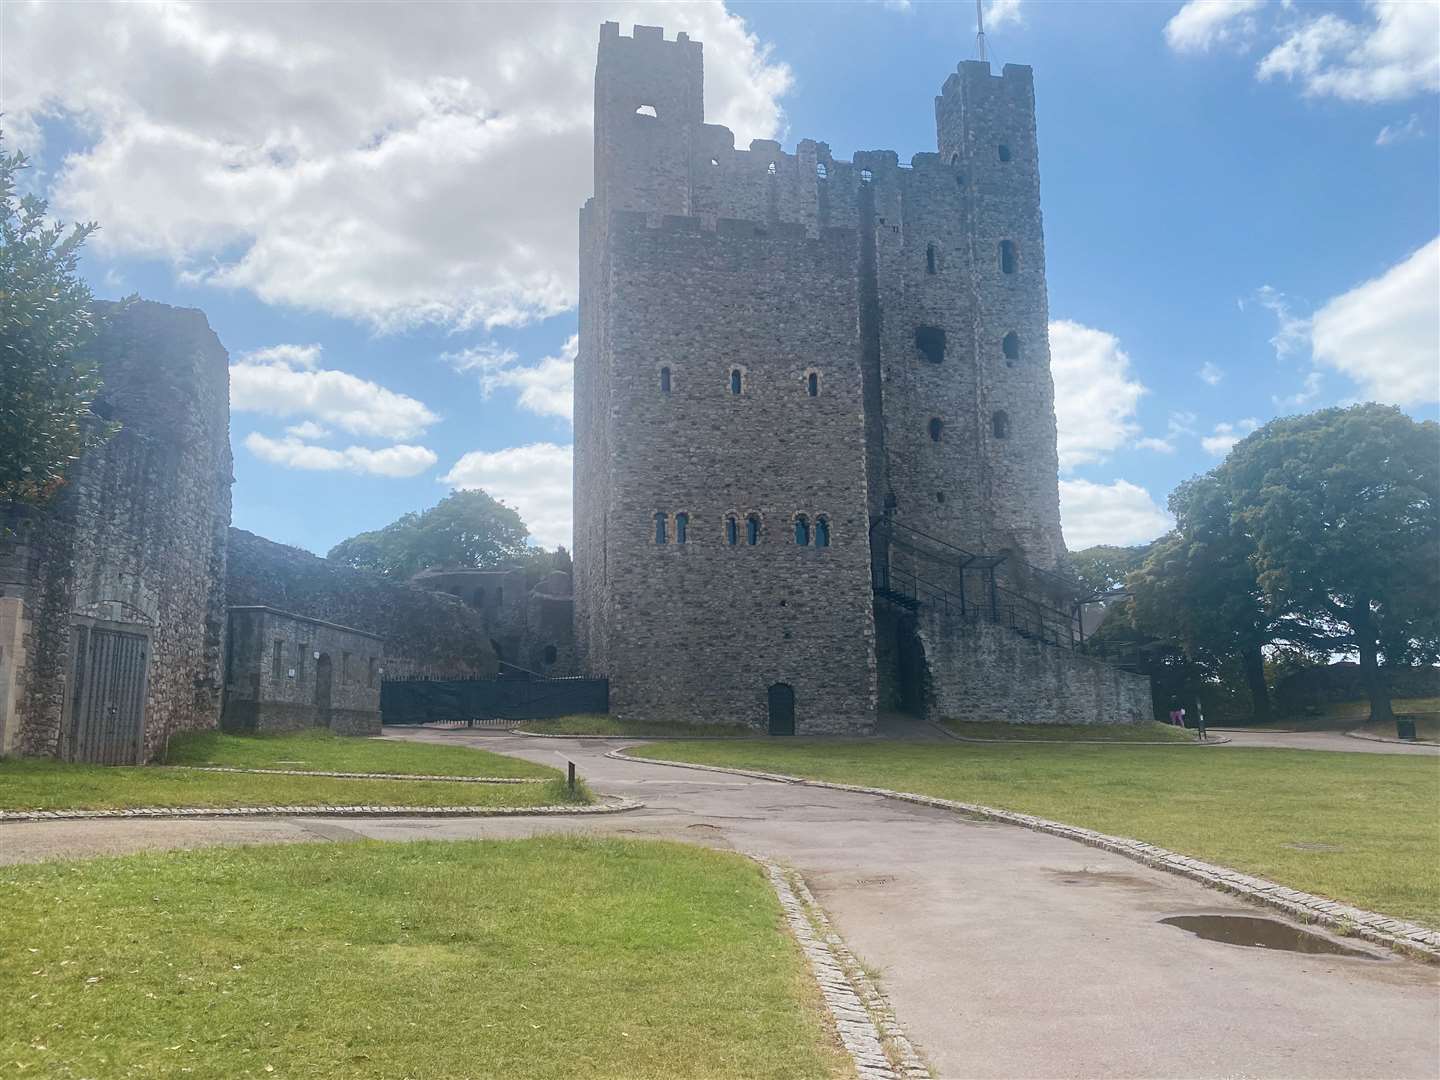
[
  {"x": 47, "y": 382},
  {"x": 1343, "y": 509},
  {"x": 466, "y": 529}
]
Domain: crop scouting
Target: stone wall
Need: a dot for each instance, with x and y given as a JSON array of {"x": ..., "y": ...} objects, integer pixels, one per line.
[
  {"x": 982, "y": 671},
  {"x": 532, "y": 628},
  {"x": 135, "y": 538},
  {"x": 422, "y": 630},
  {"x": 286, "y": 672}
]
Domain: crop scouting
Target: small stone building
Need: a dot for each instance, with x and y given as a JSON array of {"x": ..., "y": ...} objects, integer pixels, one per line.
[{"x": 287, "y": 672}]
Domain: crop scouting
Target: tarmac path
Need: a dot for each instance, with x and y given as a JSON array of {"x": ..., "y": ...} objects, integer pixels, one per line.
[{"x": 1006, "y": 952}]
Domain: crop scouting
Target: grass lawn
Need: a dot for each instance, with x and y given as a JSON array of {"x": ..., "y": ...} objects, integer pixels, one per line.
[
  {"x": 547, "y": 958},
  {"x": 1427, "y": 729},
  {"x": 1363, "y": 828},
  {"x": 599, "y": 724},
  {"x": 1348, "y": 715},
  {"x": 43, "y": 784},
  {"x": 1148, "y": 732},
  {"x": 323, "y": 751}
]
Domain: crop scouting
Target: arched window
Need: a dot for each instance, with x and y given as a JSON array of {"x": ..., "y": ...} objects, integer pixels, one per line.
[
  {"x": 821, "y": 172},
  {"x": 930, "y": 340},
  {"x": 955, "y": 158},
  {"x": 682, "y": 524},
  {"x": 752, "y": 529},
  {"x": 664, "y": 380},
  {"x": 660, "y": 536},
  {"x": 937, "y": 428},
  {"x": 735, "y": 380},
  {"x": 802, "y": 530},
  {"x": 1010, "y": 346},
  {"x": 812, "y": 384},
  {"x": 1000, "y": 425},
  {"x": 822, "y": 531},
  {"x": 732, "y": 530},
  {"x": 1007, "y": 256},
  {"x": 646, "y": 110},
  {"x": 929, "y": 258},
  {"x": 1004, "y": 152},
  {"x": 550, "y": 654}
]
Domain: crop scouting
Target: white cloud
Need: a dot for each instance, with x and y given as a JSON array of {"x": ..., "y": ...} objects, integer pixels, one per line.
[
  {"x": 1293, "y": 331},
  {"x": 265, "y": 382},
  {"x": 1396, "y": 55},
  {"x": 1391, "y": 134},
  {"x": 1385, "y": 333},
  {"x": 1000, "y": 12},
  {"x": 1179, "y": 424},
  {"x": 546, "y": 388},
  {"x": 1095, "y": 397},
  {"x": 1227, "y": 435},
  {"x": 308, "y": 429},
  {"x": 1308, "y": 392},
  {"x": 534, "y": 479},
  {"x": 293, "y": 453},
  {"x": 1116, "y": 513},
  {"x": 1211, "y": 373},
  {"x": 390, "y": 163},
  {"x": 1201, "y": 25},
  {"x": 482, "y": 358},
  {"x": 306, "y": 357}
]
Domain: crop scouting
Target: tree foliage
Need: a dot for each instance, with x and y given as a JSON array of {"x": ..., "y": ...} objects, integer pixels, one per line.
[
  {"x": 47, "y": 383},
  {"x": 465, "y": 530}
]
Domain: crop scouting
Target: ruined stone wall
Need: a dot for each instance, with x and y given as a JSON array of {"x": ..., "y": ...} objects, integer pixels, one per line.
[
  {"x": 530, "y": 628},
  {"x": 285, "y": 672},
  {"x": 423, "y": 630},
  {"x": 136, "y": 537},
  {"x": 982, "y": 671}
]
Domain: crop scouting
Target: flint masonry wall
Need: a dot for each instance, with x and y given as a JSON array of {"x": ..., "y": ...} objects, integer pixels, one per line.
[{"x": 135, "y": 539}]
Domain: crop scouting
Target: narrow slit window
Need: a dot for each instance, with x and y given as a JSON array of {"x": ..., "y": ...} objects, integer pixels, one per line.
[
  {"x": 1004, "y": 152},
  {"x": 937, "y": 428},
  {"x": 300, "y": 655},
  {"x": 1007, "y": 256},
  {"x": 735, "y": 381},
  {"x": 664, "y": 380},
  {"x": 752, "y": 529},
  {"x": 1000, "y": 425},
  {"x": 930, "y": 258},
  {"x": 1010, "y": 346},
  {"x": 802, "y": 531},
  {"x": 812, "y": 384},
  {"x": 732, "y": 530},
  {"x": 277, "y": 660},
  {"x": 822, "y": 532},
  {"x": 955, "y": 158},
  {"x": 682, "y": 525},
  {"x": 660, "y": 533}
]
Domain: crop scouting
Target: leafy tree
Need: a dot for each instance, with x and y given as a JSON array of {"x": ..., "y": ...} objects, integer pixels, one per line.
[
  {"x": 466, "y": 529},
  {"x": 1103, "y": 568},
  {"x": 46, "y": 381},
  {"x": 1343, "y": 509}
]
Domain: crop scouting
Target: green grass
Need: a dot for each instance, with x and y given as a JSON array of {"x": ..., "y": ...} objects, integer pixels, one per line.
[
  {"x": 1255, "y": 810},
  {"x": 1348, "y": 715},
  {"x": 43, "y": 784},
  {"x": 320, "y": 750},
  {"x": 534, "y": 959},
  {"x": 1147, "y": 732},
  {"x": 599, "y": 724},
  {"x": 1427, "y": 729}
]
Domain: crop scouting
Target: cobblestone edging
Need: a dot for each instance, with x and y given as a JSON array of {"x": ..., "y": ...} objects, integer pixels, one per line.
[
  {"x": 615, "y": 807},
  {"x": 862, "y": 1016},
  {"x": 369, "y": 775},
  {"x": 1367, "y": 737},
  {"x": 1420, "y": 941}
]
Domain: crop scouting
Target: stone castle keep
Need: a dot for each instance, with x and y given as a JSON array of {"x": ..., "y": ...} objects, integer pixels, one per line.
[{"x": 815, "y": 444}]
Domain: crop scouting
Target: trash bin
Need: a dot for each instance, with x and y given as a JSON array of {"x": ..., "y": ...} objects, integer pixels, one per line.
[{"x": 1405, "y": 728}]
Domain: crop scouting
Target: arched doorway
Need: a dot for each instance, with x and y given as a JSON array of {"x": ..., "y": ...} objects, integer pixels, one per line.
[
  {"x": 781, "y": 701},
  {"x": 322, "y": 690}
]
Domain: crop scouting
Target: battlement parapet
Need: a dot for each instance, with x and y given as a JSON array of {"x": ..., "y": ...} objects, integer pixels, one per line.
[
  {"x": 976, "y": 76},
  {"x": 647, "y": 35}
]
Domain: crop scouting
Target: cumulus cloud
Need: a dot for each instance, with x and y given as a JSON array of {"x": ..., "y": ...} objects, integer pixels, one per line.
[
  {"x": 1385, "y": 333},
  {"x": 308, "y": 429},
  {"x": 546, "y": 388},
  {"x": 1393, "y": 56},
  {"x": 1095, "y": 396},
  {"x": 294, "y": 453},
  {"x": 534, "y": 479},
  {"x": 269, "y": 381},
  {"x": 1202, "y": 25},
  {"x": 395, "y": 164},
  {"x": 1308, "y": 392},
  {"x": 1226, "y": 435},
  {"x": 1391, "y": 134},
  {"x": 1000, "y": 12},
  {"x": 1292, "y": 331},
  {"x": 1210, "y": 373},
  {"x": 1179, "y": 424},
  {"x": 1116, "y": 513}
]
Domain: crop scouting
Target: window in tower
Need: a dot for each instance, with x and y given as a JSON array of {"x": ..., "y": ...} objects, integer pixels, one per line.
[
  {"x": 664, "y": 380},
  {"x": 822, "y": 531},
  {"x": 1000, "y": 425},
  {"x": 682, "y": 525},
  {"x": 802, "y": 530},
  {"x": 1010, "y": 346},
  {"x": 937, "y": 428},
  {"x": 930, "y": 340},
  {"x": 660, "y": 536},
  {"x": 930, "y": 258},
  {"x": 1004, "y": 152},
  {"x": 736, "y": 381},
  {"x": 752, "y": 529},
  {"x": 1007, "y": 256},
  {"x": 732, "y": 530},
  {"x": 812, "y": 384}
]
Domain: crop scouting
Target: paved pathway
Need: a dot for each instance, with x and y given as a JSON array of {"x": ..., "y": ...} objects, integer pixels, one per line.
[
  {"x": 1007, "y": 953},
  {"x": 1321, "y": 740}
]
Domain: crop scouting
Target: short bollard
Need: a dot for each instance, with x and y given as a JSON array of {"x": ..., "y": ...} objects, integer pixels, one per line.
[{"x": 571, "y": 778}]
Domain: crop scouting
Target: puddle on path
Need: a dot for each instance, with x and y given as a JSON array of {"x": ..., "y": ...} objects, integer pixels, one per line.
[
  {"x": 1087, "y": 876},
  {"x": 1259, "y": 933}
]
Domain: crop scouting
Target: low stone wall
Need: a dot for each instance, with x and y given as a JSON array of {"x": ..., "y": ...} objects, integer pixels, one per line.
[{"x": 980, "y": 671}]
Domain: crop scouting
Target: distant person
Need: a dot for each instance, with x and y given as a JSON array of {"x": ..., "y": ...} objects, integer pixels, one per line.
[
  {"x": 1180, "y": 719},
  {"x": 1199, "y": 721},
  {"x": 1175, "y": 712}
]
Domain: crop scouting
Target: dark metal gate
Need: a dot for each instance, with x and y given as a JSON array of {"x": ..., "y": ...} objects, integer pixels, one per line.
[
  {"x": 489, "y": 702},
  {"x": 107, "y": 695},
  {"x": 780, "y": 700}
]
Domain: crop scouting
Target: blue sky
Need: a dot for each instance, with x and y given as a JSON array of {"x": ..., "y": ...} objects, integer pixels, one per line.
[{"x": 376, "y": 209}]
